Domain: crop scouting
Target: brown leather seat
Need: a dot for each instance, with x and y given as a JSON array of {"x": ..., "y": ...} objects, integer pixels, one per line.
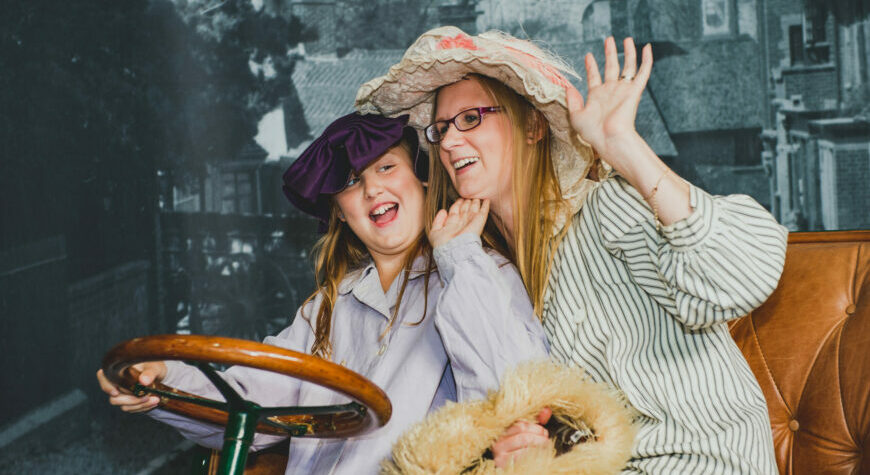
[{"x": 809, "y": 347}]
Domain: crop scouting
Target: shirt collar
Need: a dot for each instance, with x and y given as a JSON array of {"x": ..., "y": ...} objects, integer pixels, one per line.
[{"x": 369, "y": 271}]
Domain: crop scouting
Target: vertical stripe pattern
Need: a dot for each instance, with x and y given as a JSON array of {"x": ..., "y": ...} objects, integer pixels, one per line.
[{"x": 646, "y": 311}]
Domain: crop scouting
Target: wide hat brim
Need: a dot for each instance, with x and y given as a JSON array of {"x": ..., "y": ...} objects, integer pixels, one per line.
[{"x": 445, "y": 55}]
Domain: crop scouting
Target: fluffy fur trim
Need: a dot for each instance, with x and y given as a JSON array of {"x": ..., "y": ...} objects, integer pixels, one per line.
[{"x": 454, "y": 439}]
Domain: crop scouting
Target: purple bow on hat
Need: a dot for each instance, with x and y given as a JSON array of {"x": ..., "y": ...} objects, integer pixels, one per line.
[{"x": 347, "y": 145}]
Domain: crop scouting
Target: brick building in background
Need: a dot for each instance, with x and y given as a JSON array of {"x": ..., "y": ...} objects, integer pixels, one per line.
[
  {"x": 818, "y": 144},
  {"x": 763, "y": 97}
]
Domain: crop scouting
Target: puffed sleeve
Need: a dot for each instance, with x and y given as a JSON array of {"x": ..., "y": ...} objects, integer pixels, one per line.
[
  {"x": 719, "y": 263},
  {"x": 263, "y": 387},
  {"x": 484, "y": 316}
]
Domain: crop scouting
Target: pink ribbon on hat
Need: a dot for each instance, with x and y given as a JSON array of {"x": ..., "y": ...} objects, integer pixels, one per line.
[
  {"x": 549, "y": 72},
  {"x": 463, "y": 41},
  {"x": 459, "y": 41}
]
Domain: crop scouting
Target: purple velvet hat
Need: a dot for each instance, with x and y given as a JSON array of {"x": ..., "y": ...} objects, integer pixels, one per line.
[{"x": 347, "y": 145}]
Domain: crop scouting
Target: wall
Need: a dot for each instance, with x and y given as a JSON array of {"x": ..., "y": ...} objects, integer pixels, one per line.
[
  {"x": 104, "y": 310},
  {"x": 33, "y": 326},
  {"x": 853, "y": 186}
]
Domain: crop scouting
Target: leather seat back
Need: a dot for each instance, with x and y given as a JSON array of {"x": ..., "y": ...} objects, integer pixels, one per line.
[{"x": 809, "y": 347}]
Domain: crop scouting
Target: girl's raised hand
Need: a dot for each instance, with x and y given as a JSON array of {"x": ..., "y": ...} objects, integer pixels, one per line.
[
  {"x": 465, "y": 216},
  {"x": 127, "y": 402},
  {"x": 608, "y": 114}
]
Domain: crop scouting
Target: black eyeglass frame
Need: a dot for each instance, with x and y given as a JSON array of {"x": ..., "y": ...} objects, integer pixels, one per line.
[{"x": 432, "y": 129}]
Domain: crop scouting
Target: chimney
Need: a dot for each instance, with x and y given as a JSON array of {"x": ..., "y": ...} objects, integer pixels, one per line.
[{"x": 320, "y": 16}]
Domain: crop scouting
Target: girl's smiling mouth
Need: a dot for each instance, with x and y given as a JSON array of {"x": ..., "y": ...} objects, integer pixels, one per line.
[{"x": 384, "y": 213}]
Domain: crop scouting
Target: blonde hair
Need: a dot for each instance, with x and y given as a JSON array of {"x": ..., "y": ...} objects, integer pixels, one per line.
[
  {"x": 537, "y": 196},
  {"x": 339, "y": 252}
]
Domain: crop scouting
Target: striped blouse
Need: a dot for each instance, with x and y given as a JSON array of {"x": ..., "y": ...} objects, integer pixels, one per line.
[{"x": 645, "y": 312}]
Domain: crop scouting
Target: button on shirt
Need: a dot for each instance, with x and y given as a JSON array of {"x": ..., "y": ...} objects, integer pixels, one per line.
[
  {"x": 645, "y": 312},
  {"x": 479, "y": 322}
]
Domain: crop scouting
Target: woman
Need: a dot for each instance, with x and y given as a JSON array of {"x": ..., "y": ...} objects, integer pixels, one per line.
[
  {"x": 633, "y": 271},
  {"x": 380, "y": 309}
]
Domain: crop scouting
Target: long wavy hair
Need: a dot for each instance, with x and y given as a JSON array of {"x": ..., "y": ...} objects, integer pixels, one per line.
[
  {"x": 537, "y": 196},
  {"x": 340, "y": 252}
]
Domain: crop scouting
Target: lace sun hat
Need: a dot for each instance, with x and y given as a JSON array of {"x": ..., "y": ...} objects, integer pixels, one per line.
[{"x": 446, "y": 54}]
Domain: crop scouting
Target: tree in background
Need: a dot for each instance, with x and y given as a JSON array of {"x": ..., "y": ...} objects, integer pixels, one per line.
[{"x": 96, "y": 96}]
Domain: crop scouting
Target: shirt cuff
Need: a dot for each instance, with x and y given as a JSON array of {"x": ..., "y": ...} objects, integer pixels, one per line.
[
  {"x": 460, "y": 248},
  {"x": 175, "y": 373},
  {"x": 697, "y": 226}
]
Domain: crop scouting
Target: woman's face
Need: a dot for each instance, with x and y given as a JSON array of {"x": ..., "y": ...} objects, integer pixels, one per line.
[
  {"x": 383, "y": 205},
  {"x": 479, "y": 161}
]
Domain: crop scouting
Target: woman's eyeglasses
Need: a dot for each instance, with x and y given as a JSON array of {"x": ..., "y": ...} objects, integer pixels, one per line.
[{"x": 465, "y": 120}]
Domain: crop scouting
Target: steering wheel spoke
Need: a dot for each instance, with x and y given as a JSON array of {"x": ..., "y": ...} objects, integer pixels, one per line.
[
  {"x": 140, "y": 390},
  {"x": 352, "y": 407},
  {"x": 230, "y": 395}
]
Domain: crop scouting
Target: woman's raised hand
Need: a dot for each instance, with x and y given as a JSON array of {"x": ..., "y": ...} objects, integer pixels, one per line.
[
  {"x": 465, "y": 216},
  {"x": 607, "y": 116},
  {"x": 127, "y": 402}
]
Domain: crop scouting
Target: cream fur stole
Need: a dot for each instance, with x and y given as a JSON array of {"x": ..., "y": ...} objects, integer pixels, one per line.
[{"x": 453, "y": 439}]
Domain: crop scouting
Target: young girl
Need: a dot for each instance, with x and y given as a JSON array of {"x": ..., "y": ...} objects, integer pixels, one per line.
[
  {"x": 380, "y": 309},
  {"x": 633, "y": 271}
]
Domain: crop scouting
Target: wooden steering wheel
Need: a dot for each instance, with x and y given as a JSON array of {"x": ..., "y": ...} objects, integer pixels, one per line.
[{"x": 368, "y": 409}]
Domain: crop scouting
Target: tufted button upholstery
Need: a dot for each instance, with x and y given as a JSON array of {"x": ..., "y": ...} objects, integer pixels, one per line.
[{"x": 809, "y": 347}]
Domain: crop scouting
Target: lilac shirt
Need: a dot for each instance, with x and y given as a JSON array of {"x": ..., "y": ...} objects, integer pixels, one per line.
[{"x": 479, "y": 323}]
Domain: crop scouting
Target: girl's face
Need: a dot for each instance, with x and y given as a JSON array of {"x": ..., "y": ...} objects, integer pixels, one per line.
[
  {"x": 479, "y": 161},
  {"x": 383, "y": 205}
]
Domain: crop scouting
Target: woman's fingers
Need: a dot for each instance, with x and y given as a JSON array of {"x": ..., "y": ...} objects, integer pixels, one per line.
[
  {"x": 646, "y": 63},
  {"x": 575, "y": 101},
  {"x": 518, "y": 442},
  {"x": 611, "y": 60},
  {"x": 593, "y": 77},
  {"x": 518, "y": 437},
  {"x": 544, "y": 415},
  {"x": 629, "y": 67},
  {"x": 522, "y": 427}
]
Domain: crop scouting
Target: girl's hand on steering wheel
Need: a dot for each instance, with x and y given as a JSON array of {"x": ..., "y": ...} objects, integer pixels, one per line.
[
  {"x": 465, "y": 216},
  {"x": 608, "y": 114},
  {"x": 126, "y": 401}
]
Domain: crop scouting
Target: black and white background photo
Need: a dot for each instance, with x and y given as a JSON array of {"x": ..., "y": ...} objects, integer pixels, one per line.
[{"x": 142, "y": 144}]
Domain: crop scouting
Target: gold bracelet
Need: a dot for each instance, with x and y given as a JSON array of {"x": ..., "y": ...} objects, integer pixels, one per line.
[
  {"x": 655, "y": 188},
  {"x": 653, "y": 204}
]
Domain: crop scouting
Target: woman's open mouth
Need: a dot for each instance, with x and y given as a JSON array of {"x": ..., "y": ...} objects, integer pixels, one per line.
[
  {"x": 461, "y": 165},
  {"x": 384, "y": 214}
]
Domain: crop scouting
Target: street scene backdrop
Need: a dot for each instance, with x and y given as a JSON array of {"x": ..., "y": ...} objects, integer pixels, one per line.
[{"x": 142, "y": 145}]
